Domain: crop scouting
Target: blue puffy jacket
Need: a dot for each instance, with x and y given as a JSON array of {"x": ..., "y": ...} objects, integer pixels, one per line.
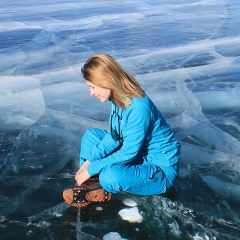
[{"x": 140, "y": 130}]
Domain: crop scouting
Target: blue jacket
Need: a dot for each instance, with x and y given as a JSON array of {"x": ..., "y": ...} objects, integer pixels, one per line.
[{"x": 143, "y": 133}]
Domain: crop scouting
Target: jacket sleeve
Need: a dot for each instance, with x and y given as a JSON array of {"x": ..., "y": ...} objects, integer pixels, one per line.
[
  {"x": 133, "y": 137},
  {"x": 104, "y": 148}
]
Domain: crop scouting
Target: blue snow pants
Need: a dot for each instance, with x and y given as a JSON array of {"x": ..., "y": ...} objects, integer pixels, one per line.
[{"x": 138, "y": 177}]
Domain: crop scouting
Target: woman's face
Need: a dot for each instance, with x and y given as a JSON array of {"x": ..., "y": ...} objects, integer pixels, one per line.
[{"x": 102, "y": 94}]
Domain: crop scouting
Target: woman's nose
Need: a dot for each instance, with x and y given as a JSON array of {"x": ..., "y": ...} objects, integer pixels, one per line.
[{"x": 91, "y": 92}]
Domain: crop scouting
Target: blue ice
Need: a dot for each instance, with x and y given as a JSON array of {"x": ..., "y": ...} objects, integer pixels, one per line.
[{"x": 184, "y": 53}]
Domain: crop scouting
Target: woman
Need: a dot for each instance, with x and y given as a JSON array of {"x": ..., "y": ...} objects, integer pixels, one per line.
[{"x": 139, "y": 154}]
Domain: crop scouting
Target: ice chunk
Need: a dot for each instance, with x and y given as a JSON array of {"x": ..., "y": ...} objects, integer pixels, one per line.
[
  {"x": 131, "y": 214},
  {"x": 112, "y": 236},
  {"x": 129, "y": 202}
]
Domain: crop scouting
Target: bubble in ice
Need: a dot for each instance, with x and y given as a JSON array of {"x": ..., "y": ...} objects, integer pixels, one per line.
[
  {"x": 99, "y": 208},
  {"x": 59, "y": 214}
]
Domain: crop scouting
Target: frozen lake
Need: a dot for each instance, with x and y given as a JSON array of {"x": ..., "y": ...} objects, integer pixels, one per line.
[{"x": 186, "y": 55}]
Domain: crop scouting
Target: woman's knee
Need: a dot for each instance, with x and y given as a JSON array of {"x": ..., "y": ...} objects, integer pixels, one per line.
[
  {"x": 93, "y": 134},
  {"x": 91, "y": 137},
  {"x": 111, "y": 178}
]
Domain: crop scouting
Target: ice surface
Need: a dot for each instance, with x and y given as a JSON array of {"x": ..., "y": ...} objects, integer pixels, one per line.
[{"x": 186, "y": 56}]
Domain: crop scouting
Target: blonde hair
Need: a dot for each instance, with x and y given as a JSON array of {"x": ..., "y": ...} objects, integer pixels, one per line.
[{"x": 103, "y": 71}]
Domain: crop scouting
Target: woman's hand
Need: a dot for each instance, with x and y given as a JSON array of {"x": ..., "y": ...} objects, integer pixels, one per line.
[
  {"x": 84, "y": 167},
  {"x": 82, "y": 174},
  {"x": 82, "y": 177}
]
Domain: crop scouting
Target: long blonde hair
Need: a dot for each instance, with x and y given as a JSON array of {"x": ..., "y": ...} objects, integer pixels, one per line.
[{"x": 103, "y": 71}]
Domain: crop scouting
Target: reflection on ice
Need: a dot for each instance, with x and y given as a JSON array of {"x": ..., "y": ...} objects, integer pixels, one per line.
[{"x": 190, "y": 69}]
